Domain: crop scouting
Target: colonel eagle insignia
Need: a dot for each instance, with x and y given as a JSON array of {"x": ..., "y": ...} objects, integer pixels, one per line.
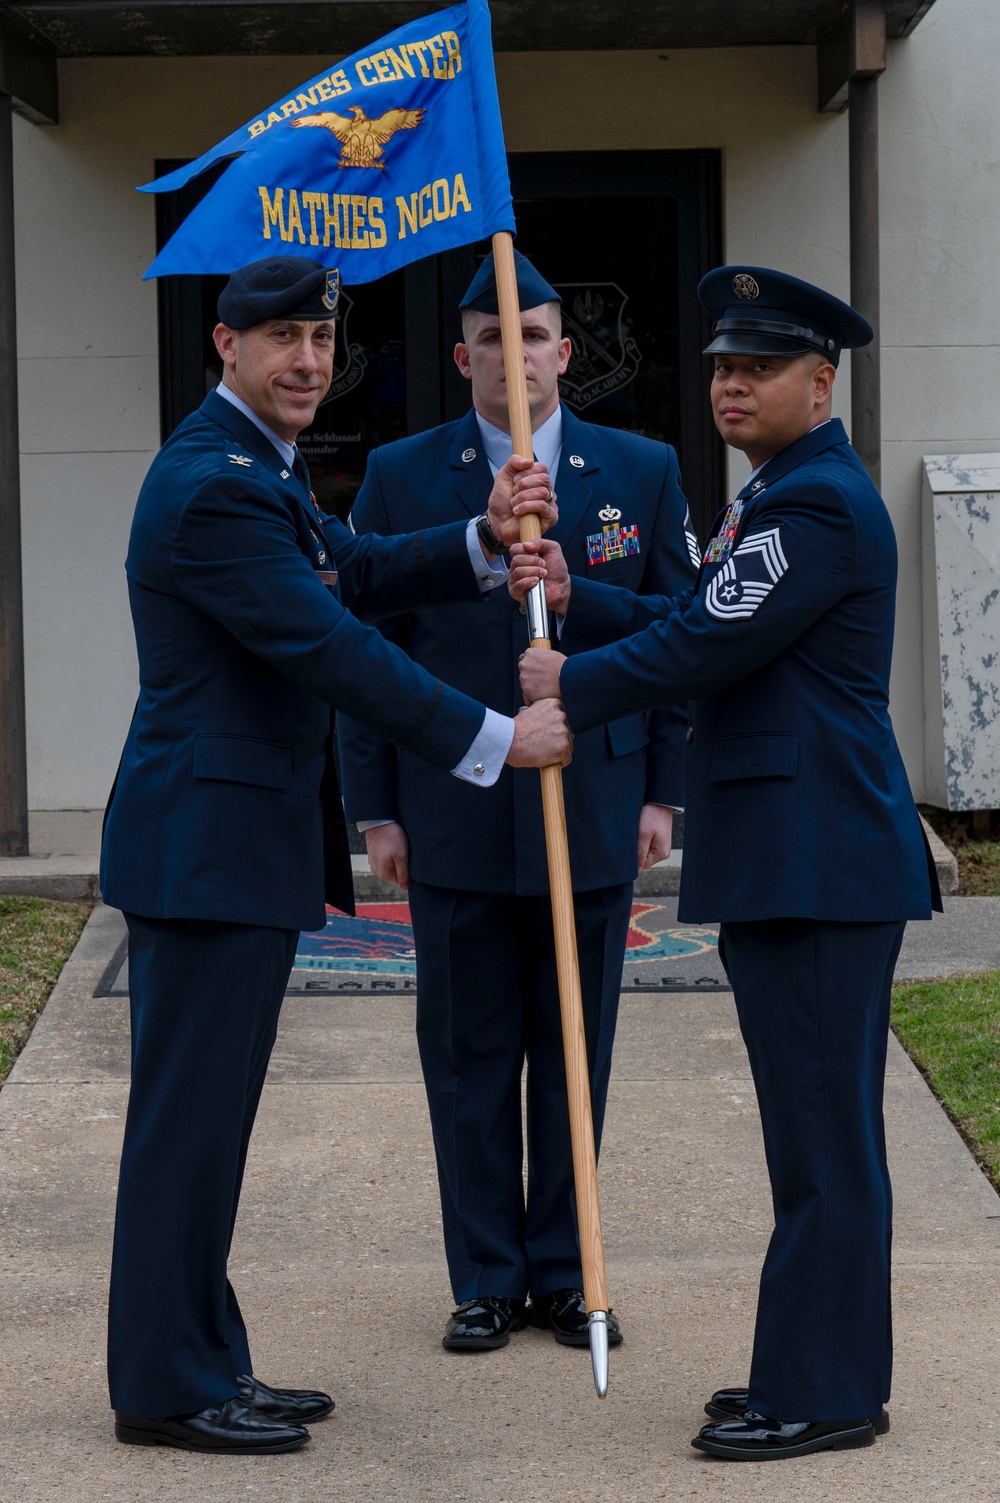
[{"x": 362, "y": 138}]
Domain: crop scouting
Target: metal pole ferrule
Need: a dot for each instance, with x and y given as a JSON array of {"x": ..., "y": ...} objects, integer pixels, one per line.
[
  {"x": 538, "y": 613},
  {"x": 598, "y": 1321}
]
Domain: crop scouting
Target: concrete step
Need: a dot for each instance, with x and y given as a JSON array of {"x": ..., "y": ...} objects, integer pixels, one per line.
[{"x": 65, "y": 846}]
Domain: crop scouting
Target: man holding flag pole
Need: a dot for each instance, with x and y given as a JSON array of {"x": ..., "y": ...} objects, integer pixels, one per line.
[
  {"x": 475, "y": 867},
  {"x": 225, "y": 828}
]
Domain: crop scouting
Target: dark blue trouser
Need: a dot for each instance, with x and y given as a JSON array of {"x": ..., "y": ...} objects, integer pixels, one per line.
[
  {"x": 487, "y": 1000},
  {"x": 205, "y": 999},
  {"x": 813, "y": 1004}
]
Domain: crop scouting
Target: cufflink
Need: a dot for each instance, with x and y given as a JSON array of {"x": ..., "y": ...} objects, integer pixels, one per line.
[{"x": 479, "y": 770}]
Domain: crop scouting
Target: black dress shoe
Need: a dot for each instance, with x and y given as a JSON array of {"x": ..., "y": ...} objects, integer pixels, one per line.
[
  {"x": 754, "y": 1438},
  {"x": 292, "y": 1406},
  {"x": 228, "y": 1429},
  {"x": 731, "y": 1403},
  {"x": 564, "y": 1313},
  {"x": 480, "y": 1325}
]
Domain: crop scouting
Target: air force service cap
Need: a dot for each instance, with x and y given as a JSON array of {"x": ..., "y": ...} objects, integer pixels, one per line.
[
  {"x": 757, "y": 311},
  {"x": 278, "y": 287},
  {"x": 532, "y": 288}
]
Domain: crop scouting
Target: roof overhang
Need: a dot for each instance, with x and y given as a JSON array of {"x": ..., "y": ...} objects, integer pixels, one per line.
[{"x": 184, "y": 28}]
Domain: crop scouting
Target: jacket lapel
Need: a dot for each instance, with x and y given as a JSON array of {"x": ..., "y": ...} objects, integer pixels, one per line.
[
  {"x": 473, "y": 481},
  {"x": 574, "y": 490},
  {"x": 260, "y": 447}
]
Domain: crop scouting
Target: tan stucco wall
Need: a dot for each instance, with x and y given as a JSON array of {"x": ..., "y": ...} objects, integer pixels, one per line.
[{"x": 87, "y": 324}]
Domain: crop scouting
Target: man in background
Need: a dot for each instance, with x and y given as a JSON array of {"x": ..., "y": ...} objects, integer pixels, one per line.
[{"x": 474, "y": 864}]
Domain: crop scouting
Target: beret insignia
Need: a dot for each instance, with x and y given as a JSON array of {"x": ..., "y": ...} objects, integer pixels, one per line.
[{"x": 331, "y": 293}]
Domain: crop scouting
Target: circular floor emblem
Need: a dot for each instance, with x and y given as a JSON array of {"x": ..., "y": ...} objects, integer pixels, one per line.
[{"x": 744, "y": 286}]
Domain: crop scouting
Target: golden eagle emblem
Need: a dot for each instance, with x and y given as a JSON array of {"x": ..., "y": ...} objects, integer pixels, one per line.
[{"x": 362, "y": 138}]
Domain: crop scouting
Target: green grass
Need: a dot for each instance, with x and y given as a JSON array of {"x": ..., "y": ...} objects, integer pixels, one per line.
[
  {"x": 979, "y": 868},
  {"x": 975, "y": 841},
  {"x": 951, "y": 1031},
  {"x": 36, "y": 938}
]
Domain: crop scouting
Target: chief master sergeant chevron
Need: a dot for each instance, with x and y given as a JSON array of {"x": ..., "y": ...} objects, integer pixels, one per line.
[
  {"x": 476, "y": 867},
  {"x": 803, "y": 837},
  {"x": 225, "y": 827}
]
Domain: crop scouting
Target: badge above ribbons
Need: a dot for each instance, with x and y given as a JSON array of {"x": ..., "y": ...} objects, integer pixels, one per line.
[{"x": 747, "y": 577}]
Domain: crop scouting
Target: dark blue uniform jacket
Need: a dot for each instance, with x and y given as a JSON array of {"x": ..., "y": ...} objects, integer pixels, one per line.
[
  {"x": 493, "y": 840},
  {"x": 798, "y": 804},
  {"x": 226, "y": 805}
]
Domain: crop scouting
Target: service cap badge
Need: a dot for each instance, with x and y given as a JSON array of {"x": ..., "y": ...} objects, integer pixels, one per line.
[{"x": 745, "y": 286}]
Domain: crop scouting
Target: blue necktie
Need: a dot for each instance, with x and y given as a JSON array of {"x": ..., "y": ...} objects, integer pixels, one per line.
[{"x": 301, "y": 472}]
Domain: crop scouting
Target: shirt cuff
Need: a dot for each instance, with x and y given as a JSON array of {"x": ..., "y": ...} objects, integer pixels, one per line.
[
  {"x": 372, "y": 824},
  {"x": 487, "y": 754},
  {"x": 488, "y": 575}
]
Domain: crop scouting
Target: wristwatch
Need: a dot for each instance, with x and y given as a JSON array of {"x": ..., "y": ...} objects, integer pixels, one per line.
[{"x": 487, "y": 536}]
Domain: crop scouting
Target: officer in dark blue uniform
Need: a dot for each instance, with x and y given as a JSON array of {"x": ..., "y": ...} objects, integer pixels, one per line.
[
  {"x": 475, "y": 865},
  {"x": 803, "y": 837},
  {"x": 225, "y": 828}
]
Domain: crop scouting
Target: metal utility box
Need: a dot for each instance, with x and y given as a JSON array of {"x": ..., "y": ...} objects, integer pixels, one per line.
[{"x": 961, "y": 566}]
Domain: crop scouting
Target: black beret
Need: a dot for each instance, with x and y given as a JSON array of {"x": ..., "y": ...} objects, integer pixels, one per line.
[
  {"x": 532, "y": 288},
  {"x": 757, "y": 311},
  {"x": 278, "y": 287}
]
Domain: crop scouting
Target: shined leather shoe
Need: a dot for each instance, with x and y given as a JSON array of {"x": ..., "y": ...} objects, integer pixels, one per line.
[
  {"x": 564, "y": 1313},
  {"x": 291, "y": 1406},
  {"x": 483, "y": 1323},
  {"x": 754, "y": 1438},
  {"x": 228, "y": 1429},
  {"x": 731, "y": 1403}
]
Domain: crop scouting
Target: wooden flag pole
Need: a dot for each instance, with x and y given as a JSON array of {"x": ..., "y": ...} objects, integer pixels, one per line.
[{"x": 581, "y": 1121}]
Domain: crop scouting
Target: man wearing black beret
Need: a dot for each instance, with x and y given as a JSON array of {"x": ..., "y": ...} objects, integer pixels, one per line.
[
  {"x": 224, "y": 833},
  {"x": 803, "y": 840}
]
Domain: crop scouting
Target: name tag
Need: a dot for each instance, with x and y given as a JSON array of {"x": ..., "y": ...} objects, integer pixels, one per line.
[{"x": 327, "y": 576}]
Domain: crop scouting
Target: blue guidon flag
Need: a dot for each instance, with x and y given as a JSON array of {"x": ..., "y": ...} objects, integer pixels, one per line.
[{"x": 394, "y": 154}]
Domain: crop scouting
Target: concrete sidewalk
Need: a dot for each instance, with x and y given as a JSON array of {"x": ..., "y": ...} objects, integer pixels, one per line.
[{"x": 339, "y": 1265}]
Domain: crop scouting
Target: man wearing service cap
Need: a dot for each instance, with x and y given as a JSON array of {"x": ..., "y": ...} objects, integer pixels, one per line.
[
  {"x": 475, "y": 865},
  {"x": 804, "y": 843},
  {"x": 224, "y": 834}
]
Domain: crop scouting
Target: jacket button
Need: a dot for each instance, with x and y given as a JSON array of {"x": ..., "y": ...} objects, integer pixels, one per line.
[
  {"x": 690, "y": 733},
  {"x": 479, "y": 769}
]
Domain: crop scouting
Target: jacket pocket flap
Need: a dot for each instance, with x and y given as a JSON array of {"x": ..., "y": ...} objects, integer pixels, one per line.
[
  {"x": 754, "y": 757},
  {"x": 628, "y": 735},
  {"x": 235, "y": 759}
]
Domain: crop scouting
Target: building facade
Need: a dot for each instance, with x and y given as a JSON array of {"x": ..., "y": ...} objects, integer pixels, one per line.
[{"x": 633, "y": 169}]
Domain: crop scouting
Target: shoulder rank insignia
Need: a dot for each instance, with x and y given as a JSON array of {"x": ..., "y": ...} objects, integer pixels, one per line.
[
  {"x": 612, "y": 543},
  {"x": 721, "y": 545},
  {"x": 243, "y": 460},
  {"x": 747, "y": 578}
]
